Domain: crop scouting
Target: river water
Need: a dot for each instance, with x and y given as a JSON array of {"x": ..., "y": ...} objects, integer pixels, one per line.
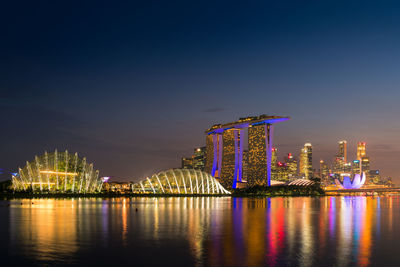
[{"x": 202, "y": 231}]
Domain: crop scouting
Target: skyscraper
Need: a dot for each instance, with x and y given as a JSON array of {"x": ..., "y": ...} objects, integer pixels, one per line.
[
  {"x": 343, "y": 150},
  {"x": 199, "y": 158},
  {"x": 305, "y": 166},
  {"x": 274, "y": 157},
  {"x": 229, "y": 138},
  {"x": 274, "y": 162},
  {"x": 214, "y": 149},
  {"x": 291, "y": 164},
  {"x": 324, "y": 173},
  {"x": 257, "y": 162},
  {"x": 245, "y": 164},
  {"x": 187, "y": 163},
  {"x": 355, "y": 167},
  {"x": 365, "y": 165},
  {"x": 361, "y": 152}
]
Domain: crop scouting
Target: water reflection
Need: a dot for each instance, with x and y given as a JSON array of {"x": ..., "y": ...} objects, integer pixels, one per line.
[{"x": 202, "y": 231}]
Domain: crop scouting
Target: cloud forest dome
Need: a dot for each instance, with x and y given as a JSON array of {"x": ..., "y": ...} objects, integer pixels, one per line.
[
  {"x": 180, "y": 181},
  {"x": 58, "y": 172}
]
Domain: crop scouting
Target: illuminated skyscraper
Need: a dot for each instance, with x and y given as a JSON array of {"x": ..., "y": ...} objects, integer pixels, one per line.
[
  {"x": 199, "y": 158},
  {"x": 214, "y": 149},
  {"x": 343, "y": 150},
  {"x": 340, "y": 160},
  {"x": 274, "y": 162},
  {"x": 361, "y": 152},
  {"x": 324, "y": 173},
  {"x": 375, "y": 177},
  {"x": 274, "y": 157},
  {"x": 355, "y": 167},
  {"x": 257, "y": 165},
  {"x": 291, "y": 164},
  {"x": 305, "y": 166},
  {"x": 232, "y": 160},
  {"x": 187, "y": 163},
  {"x": 365, "y": 165},
  {"x": 224, "y": 150},
  {"x": 245, "y": 164}
]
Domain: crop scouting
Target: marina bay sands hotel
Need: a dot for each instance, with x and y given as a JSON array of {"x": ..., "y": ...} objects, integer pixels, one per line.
[{"x": 224, "y": 150}]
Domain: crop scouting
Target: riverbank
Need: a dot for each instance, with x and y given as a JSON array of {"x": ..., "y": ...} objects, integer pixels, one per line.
[
  {"x": 278, "y": 191},
  {"x": 19, "y": 195},
  {"x": 256, "y": 191}
]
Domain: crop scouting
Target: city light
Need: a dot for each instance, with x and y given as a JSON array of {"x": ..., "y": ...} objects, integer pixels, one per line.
[{"x": 59, "y": 173}]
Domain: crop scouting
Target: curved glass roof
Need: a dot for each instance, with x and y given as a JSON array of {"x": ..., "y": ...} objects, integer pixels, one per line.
[
  {"x": 57, "y": 172},
  {"x": 180, "y": 181}
]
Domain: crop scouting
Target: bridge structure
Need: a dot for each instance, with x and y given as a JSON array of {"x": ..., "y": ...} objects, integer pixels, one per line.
[{"x": 224, "y": 150}]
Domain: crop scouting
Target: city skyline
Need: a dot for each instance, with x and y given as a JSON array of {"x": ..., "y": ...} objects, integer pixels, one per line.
[{"x": 133, "y": 86}]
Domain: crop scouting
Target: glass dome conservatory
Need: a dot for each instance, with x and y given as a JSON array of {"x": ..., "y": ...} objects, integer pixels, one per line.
[
  {"x": 180, "y": 181},
  {"x": 57, "y": 172}
]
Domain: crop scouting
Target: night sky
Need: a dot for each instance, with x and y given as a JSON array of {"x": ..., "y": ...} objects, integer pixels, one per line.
[{"x": 133, "y": 85}]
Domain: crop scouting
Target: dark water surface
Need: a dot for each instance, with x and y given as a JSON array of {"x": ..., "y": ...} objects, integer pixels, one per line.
[{"x": 330, "y": 231}]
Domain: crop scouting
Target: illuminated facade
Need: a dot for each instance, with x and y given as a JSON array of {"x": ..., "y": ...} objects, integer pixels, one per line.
[
  {"x": 187, "y": 163},
  {"x": 291, "y": 164},
  {"x": 213, "y": 159},
  {"x": 305, "y": 164},
  {"x": 231, "y": 157},
  {"x": 343, "y": 150},
  {"x": 361, "y": 151},
  {"x": 355, "y": 167},
  {"x": 58, "y": 172},
  {"x": 180, "y": 181},
  {"x": 340, "y": 160},
  {"x": 257, "y": 168},
  {"x": 365, "y": 164},
  {"x": 324, "y": 173},
  {"x": 199, "y": 158},
  {"x": 224, "y": 151}
]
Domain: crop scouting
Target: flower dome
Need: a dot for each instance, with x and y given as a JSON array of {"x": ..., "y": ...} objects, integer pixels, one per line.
[
  {"x": 180, "y": 181},
  {"x": 58, "y": 172}
]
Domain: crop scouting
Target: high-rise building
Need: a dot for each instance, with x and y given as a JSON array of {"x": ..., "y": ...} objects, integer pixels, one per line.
[
  {"x": 245, "y": 164},
  {"x": 305, "y": 166},
  {"x": 274, "y": 157},
  {"x": 361, "y": 152},
  {"x": 309, "y": 172},
  {"x": 281, "y": 172},
  {"x": 229, "y": 138},
  {"x": 224, "y": 150},
  {"x": 291, "y": 164},
  {"x": 355, "y": 167},
  {"x": 257, "y": 164},
  {"x": 324, "y": 173},
  {"x": 375, "y": 177},
  {"x": 187, "y": 163},
  {"x": 274, "y": 163},
  {"x": 365, "y": 165},
  {"x": 343, "y": 150},
  {"x": 214, "y": 149},
  {"x": 340, "y": 159},
  {"x": 199, "y": 158}
]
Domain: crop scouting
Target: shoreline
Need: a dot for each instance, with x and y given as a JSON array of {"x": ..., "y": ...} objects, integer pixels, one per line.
[{"x": 69, "y": 196}]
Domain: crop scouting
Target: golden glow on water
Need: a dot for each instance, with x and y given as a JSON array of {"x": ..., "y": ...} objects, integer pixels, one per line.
[
  {"x": 206, "y": 231},
  {"x": 46, "y": 228}
]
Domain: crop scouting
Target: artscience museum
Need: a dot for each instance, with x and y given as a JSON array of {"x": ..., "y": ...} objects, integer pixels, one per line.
[{"x": 357, "y": 182}]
